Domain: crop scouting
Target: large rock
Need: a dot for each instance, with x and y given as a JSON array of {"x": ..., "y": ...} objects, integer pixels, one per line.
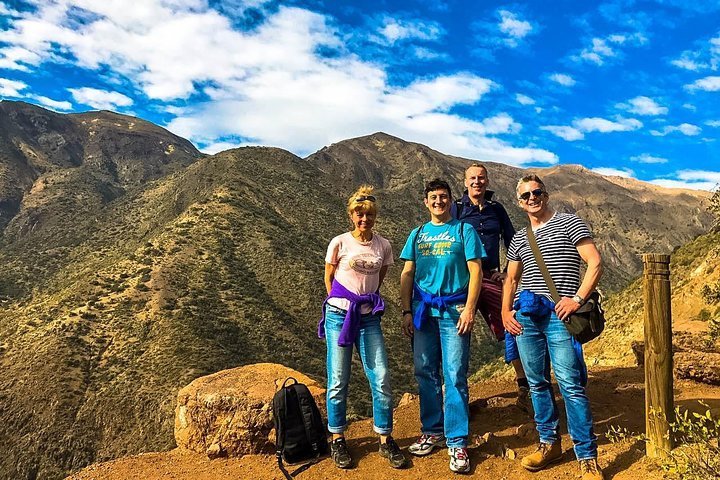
[{"x": 230, "y": 412}]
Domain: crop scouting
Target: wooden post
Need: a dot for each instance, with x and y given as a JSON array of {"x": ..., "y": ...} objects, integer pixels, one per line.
[{"x": 659, "y": 410}]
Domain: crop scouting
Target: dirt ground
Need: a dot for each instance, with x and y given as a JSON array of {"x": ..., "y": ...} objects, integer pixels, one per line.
[{"x": 616, "y": 394}]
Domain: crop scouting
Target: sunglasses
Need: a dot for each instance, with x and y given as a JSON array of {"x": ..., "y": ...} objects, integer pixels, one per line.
[
  {"x": 365, "y": 198},
  {"x": 525, "y": 196}
]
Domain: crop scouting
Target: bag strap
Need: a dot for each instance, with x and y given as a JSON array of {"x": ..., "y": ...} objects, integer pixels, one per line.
[
  {"x": 282, "y": 467},
  {"x": 541, "y": 264},
  {"x": 307, "y": 414}
]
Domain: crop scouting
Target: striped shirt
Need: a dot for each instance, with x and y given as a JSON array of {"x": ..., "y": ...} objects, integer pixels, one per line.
[{"x": 557, "y": 240}]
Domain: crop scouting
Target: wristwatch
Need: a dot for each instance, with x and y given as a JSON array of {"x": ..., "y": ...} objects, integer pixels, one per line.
[
  {"x": 405, "y": 312},
  {"x": 578, "y": 299}
]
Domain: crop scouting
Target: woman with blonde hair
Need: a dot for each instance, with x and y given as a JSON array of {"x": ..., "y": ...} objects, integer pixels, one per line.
[{"x": 355, "y": 267}]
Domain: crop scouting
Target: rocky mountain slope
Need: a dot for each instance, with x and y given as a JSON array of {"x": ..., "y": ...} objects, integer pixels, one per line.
[{"x": 131, "y": 264}]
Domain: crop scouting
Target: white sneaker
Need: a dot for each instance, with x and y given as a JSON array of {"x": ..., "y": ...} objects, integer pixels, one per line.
[
  {"x": 426, "y": 443},
  {"x": 459, "y": 459}
]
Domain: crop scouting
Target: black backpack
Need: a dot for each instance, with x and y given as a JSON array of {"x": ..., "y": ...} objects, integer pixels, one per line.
[{"x": 299, "y": 427}]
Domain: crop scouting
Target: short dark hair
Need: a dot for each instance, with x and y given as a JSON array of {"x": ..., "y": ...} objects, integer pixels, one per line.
[{"x": 437, "y": 184}]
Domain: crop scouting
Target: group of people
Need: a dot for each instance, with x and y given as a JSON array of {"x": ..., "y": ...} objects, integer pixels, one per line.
[{"x": 452, "y": 269}]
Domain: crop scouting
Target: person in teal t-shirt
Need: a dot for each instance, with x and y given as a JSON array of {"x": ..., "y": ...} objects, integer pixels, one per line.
[{"x": 439, "y": 287}]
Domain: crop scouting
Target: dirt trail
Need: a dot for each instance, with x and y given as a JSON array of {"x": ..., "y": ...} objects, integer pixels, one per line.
[{"x": 616, "y": 394}]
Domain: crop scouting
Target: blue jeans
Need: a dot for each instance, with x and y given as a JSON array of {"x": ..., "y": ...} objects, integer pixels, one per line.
[
  {"x": 545, "y": 340},
  {"x": 371, "y": 346},
  {"x": 439, "y": 343}
]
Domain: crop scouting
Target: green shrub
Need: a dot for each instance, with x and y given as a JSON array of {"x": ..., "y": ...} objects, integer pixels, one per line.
[{"x": 696, "y": 455}]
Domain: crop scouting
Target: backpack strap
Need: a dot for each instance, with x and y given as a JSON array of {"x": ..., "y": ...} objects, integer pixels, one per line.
[
  {"x": 307, "y": 415},
  {"x": 417, "y": 234},
  {"x": 285, "y": 473},
  {"x": 456, "y": 209}
]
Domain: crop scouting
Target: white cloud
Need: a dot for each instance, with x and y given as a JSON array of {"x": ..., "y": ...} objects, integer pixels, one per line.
[
  {"x": 267, "y": 85},
  {"x": 602, "y": 125},
  {"x": 690, "y": 106},
  {"x": 566, "y": 133},
  {"x": 216, "y": 147},
  {"x": 647, "y": 158},
  {"x": 699, "y": 176},
  {"x": 501, "y": 123},
  {"x": 514, "y": 27},
  {"x": 593, "y": 124},
  {"x": 563, "y": 79},
  {"x": 643, "y": 106},
  {"x": 100, "y": 99},
  {"x": 635, "y": 38},
  {"x": 509, "y": 30},
  {"x": 713, "y": 123},
  {"x": 423, "y": 53},
  {"x": 11, "y": 88},
  {"x": 688, "y": 64},
  {"x": 614, "y": 172},
  {"x": 524, "y": 99},
  {"x": 691, "y": 179},
  {"x": 394, "y": 30},
  {"x": 705, "y": 57},
  {"x": 669, "y": 183},
  {"x": 16, "y": 58},
  {"x": 709, "y": 84},
  {"x": 598, "y": 52},
  {"x": 684, "y": 128},
  {"x": 53, "y": 104}
]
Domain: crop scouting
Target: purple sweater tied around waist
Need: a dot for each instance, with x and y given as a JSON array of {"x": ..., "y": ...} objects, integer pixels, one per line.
[{"x": 351, "y": 325}]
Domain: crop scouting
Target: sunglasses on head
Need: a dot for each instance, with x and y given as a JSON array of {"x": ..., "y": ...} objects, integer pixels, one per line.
[
  {"x": 525, "y": 196},
  {"x": 365, "y": 198}
]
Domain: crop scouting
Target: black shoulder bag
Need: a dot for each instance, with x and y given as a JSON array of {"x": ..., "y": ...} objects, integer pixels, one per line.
[{"x": 588, "y": 321}]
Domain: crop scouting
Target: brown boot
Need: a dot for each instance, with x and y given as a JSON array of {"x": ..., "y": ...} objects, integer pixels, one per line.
[
  {"x": 545, "y": 454},
  {"x": 590, "y": 470}
]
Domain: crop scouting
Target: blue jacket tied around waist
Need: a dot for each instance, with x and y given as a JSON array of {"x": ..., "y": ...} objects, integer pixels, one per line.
[
  {"x": 351, "y": 325},
  {"x": 428, "y": 300}
]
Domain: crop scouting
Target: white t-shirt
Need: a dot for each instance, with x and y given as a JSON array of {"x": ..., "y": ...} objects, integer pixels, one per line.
[{"x": 358, "y": 265}]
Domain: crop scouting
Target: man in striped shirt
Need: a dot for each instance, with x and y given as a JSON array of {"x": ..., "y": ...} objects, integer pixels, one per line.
[{"x": 565, "y": 242}]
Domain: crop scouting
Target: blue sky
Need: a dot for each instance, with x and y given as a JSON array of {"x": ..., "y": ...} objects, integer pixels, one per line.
[{"x": 623, "y": 87}]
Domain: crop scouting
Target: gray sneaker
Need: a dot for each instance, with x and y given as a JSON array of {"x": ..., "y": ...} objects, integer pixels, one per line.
[
  {"x": 459, "y": 459},
  {"x": 426, "y": 443}
]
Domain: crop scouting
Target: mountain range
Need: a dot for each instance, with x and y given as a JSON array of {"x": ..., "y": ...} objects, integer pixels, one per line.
[{"x": 131, "y": 263}]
